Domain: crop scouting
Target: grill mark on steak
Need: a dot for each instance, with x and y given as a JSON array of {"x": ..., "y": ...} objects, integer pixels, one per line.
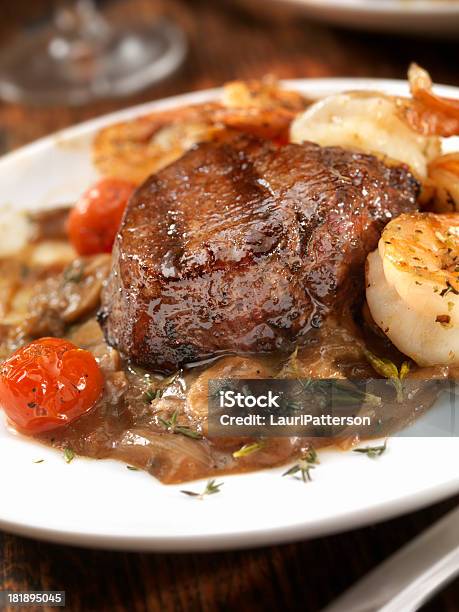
[{"x": 245, "y": 247}]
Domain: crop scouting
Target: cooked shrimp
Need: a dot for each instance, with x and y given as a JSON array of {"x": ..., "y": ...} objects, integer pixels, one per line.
[
  {"x": 444, "y": 177},
  {"x": 413, "y": 286},
  {"x": 260, "y": 107},
  {"x": 426, "y": 112},
  {"x": 135, "y": 149},
  {"x": 367, "y": 121}
]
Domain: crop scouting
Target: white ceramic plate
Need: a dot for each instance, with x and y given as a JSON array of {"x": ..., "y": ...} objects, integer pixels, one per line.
[
  {"x": 102, "y": 504},
  {"x": 426, "y": 17}
]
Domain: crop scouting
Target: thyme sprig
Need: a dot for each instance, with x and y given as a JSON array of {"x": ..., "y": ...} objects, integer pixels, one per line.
[
  {"x": 152, "y": 394},
  {"x": 389, "y": 370},
  {"x": 212, "y": 487},
  {"x": 305, "y": 464},
  {"x": 248, "y": 449},
  {"x": 172, "y": 426},
  {"x": 290, "y": 368},
  {"x": 73, "y": 273},
  {"x": 156, "y": 391},
  {"x": 449, "y": 289},
  {"x": 344, "y": 392},
  {"x": 372, "y": 451},
  {"x": 69, "y": 455}
]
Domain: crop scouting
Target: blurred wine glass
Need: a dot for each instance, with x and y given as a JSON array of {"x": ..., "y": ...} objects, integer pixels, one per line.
[{"x": 82, "y": 56}]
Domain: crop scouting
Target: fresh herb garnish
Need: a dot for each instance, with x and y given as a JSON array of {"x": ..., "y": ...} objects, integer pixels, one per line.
[
  {"x": 331, "y": 394},
  {"x": 389, "y": 370},
  {"x": 39, "y": 461},
  {"x": 152, "y": 394},
  {"x": 132, "y": 468},
  {"x": 306, "y": 463},
  {"x": 372, "y": 451},
  {"x": 156, "y": 392},
  {"x": 172, "y": 426},
  {"x": 212, "y": 487},
  {"x": 73, "y": 274},
  {"x": 404, "y": 370},
  {"x": 69, "y": 455},
  {"x": 346, "y": 394},
  {"x": 290, "y": 369},
  {"x": 449, "y": 289},
  {"x": 248, "y": 449},
  {"x": 25, "y": 270}
]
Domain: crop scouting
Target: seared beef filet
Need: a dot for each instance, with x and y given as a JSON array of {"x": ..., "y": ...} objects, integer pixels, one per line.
[{"x": 245, "y": 247}]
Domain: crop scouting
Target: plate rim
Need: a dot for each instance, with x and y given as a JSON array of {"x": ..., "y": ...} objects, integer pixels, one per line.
[
  {"x": 242, "y": 539},
  {"x": 387, "y": 7}
]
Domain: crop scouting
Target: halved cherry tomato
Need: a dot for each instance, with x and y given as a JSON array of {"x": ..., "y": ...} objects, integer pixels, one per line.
[
  {"x": 48, "y": 384},
  {"x": 95, "y": 219}
]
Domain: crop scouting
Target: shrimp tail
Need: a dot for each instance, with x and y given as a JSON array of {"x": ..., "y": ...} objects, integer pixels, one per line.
[{"x": 426, "y": 112}]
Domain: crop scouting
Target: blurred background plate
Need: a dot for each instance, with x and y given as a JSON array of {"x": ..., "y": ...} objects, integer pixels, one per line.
[{"x": 429, "y": 17}]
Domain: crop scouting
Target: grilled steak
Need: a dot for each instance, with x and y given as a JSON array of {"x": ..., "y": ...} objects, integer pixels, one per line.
[{"x": 245, "y": 247}]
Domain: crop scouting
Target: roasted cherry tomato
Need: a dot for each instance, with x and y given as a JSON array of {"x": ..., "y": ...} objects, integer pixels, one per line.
[
  {"x": 95, "y": 219},
  {"x": 48, "y": 384}
]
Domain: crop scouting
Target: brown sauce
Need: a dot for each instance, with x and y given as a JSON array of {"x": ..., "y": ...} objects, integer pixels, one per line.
[{"x": 128, "y": 421}]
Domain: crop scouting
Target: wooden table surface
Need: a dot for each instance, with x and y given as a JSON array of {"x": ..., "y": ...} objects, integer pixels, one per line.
[{"x": 227, "y": 40}]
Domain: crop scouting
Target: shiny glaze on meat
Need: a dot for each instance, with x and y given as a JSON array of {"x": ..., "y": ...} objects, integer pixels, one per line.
[{"x": 245, "y": 247}]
